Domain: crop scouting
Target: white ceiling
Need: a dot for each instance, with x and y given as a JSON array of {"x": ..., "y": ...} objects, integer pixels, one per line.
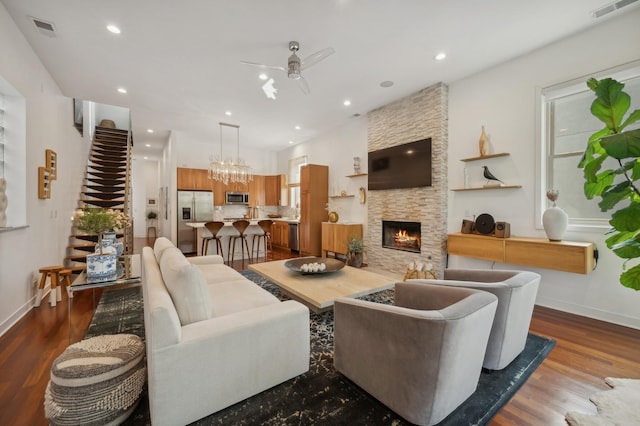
[{"x": 180, "y": 60}]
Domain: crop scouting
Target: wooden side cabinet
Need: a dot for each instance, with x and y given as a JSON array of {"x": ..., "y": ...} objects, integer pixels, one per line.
[
  {"x": 280, "y": 234},
  {"x": 567, "y": 256},
  {"x": 335, "y": 236}
]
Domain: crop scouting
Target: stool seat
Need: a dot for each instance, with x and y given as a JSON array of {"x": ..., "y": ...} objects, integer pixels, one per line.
[
  {"x": 240, "y": 226},
  {"x": 53, "y": 272},
  {"x": 213, "y": 228},
  {"x": 96, "y": 381},
  {"x": 265, "y": 225}
]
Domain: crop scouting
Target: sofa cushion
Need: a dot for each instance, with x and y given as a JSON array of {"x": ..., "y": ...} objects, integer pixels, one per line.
[
  {"x": 238, "y": 295},
  {"x": 186, "y": 286},
  {"x": 214, "y": 273},
  {"x": 160, "y": 246}
]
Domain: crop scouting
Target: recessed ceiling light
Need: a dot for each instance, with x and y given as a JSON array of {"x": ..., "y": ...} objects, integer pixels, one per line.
[
  {"x": 146, "y": 158},
  {"x": 122, "y": 90},
  {"x": 290, "y": 142},
  {"x": 298, "y": 127},
  {"x": 227, "y": 113},
  {"x": 263, "y": 76},
  {"x": 347, "y": 102},
  {"x": 386, "y": 83},
  {"x": 149, "y": 130},
  {"x": 113, "y": 29},
  {"x": 440, "y": 56},
  {"x": 148, "y": 145}
]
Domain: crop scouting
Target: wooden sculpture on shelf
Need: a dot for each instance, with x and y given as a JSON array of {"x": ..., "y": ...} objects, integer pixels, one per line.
[
  {"x": 483, "y": 143},
  {"x": 419, "y": 270}
]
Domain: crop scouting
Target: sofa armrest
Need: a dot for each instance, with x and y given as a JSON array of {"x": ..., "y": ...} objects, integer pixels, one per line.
[
  {"x": 226, "y": 359},
  {"x": 214, "y": 259}
]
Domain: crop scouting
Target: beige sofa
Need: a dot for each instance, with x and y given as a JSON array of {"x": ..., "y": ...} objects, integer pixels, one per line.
[{"x": 213, "y": 337}]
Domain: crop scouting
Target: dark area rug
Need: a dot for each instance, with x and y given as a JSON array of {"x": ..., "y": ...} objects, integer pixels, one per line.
[{"x": 322, "y": 396}]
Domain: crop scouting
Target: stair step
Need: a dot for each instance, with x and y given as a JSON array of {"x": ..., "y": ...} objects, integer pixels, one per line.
[
  {"x": 108, "y": 168},
  {"x": 104, "y": 196},
  {"x": 102, "y": 203},
  {"x": 105, "y": 189}
]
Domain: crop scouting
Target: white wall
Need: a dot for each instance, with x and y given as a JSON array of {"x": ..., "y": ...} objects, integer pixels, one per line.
[
  {"x": 48, "y": 125},
  {"x": 503, "y": 99},
  {"x": 336, "y": 149},
  {"x": 145, "y": 187}
]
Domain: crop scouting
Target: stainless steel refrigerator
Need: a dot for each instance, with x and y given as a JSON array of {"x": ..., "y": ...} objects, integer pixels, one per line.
[{"x": 193, "y": 206}]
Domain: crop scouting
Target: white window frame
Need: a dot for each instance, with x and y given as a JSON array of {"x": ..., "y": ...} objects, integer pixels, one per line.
[{"x": 620, "y": 73}]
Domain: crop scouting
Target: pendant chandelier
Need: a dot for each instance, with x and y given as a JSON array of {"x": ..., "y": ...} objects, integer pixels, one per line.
[{"x": 229, "y": 170}]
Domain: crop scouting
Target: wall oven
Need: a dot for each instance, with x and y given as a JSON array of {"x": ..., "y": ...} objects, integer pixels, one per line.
[{"x": 236, "y": 198}]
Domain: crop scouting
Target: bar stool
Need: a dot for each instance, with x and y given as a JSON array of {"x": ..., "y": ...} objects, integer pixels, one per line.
[
  {"x": 213, "y": 228},
  {"x": 241, "y": 226},
  {"x": 53, "y": 272},
  {"x": 265, "y": 225}
]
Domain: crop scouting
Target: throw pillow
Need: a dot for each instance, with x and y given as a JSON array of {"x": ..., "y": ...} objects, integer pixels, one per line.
[{"x": 187, "y": 287}]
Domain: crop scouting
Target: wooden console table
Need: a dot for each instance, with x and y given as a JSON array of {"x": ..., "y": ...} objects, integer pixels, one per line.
[
  {"x": 568, "y": 256},
  {"x": 335, "y": 236}
]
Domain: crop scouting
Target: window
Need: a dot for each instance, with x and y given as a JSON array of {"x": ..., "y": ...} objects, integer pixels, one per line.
[
  {"x": 566, "y": 126},
  {"x": 294, "y": 180}
]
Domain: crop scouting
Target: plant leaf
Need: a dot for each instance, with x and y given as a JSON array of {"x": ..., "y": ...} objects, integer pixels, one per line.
[
  {"x": 601, "y": 183},
  {"x": 625, "y": 245},
  {"x": 632, "y": 118},
  {"x": 614, "y": 195},
  {"x": 627, "y": 219},
  {"x": 622, "y": 145},
  {"x": 592, "y": 168},
  {"x": 611, "y": 103},
  {"x": 631, "y": 278}
]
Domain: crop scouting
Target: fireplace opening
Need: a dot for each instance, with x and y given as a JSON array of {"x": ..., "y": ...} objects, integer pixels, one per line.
[{"x": 403, "y": 236}]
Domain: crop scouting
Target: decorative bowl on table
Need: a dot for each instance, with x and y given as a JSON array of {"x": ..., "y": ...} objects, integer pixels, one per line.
[{"x": 314, "y": 265}]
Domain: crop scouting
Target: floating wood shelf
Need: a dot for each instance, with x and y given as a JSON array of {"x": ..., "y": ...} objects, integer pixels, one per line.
[
  {"x": 482, "y": 188},
  {"x": 567, "y": 256},
  {"x": 484, "y": 157},
  {"x": 357, "y": 175}
]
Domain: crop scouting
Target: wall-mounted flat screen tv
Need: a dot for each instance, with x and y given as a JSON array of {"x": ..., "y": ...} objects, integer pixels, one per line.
[{"x": 401, "y": 166}]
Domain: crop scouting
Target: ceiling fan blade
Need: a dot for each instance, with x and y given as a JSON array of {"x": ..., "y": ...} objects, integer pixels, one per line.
[
  {"x": 263, "y": 66},
  {"x": 316, "y": 57},
  {"x": 303, "y": 85}
]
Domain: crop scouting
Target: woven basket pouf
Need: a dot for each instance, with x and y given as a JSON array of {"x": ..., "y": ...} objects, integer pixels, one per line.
[{"x": 97, "y": 381}]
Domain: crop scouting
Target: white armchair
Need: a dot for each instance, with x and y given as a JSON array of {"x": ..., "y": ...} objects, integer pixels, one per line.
[
  {"x": 421, "y": 357},
  {"x": 516, "y": 292}
]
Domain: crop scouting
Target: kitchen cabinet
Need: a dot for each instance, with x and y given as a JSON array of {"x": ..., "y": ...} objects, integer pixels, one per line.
[
  {"x": 335, "y": 236},
  {"x": 280, "y": 234},
  {"x": 237, "y": 187},
  {"x": 314, "y": 196},
  {"x": 257, "y": 191},
  {"x": 276, "y": 191},
  {"x": 193, "y": 179},
  {"x": 219, "y": 188}
]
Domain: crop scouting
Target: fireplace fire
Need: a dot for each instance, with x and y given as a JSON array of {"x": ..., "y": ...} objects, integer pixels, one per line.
[{"x": 401, "y": 235}]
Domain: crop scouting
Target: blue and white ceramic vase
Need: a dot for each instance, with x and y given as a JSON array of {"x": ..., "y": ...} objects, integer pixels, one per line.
[
  {"x": 109, "y": 236},
  {"x": 101, "y": 266}
]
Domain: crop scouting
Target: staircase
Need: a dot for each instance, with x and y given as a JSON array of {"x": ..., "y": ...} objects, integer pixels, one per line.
[{"x": 107, "y": 184}]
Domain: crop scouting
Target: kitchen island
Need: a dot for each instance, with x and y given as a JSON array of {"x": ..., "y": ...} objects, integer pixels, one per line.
[{"x": 229, "y": 230}]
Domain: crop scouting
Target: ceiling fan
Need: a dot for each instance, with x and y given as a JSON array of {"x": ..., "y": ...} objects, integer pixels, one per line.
[{"x": 295, "y": 65}]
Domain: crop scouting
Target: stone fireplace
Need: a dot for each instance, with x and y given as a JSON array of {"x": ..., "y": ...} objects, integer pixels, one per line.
[
  {"x": 399, "y": 235},
  {"x": 418, "y": 116}
]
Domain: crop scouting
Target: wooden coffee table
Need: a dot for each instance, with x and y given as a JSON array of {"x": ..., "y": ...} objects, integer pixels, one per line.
[{"x": 319, "y": 291}]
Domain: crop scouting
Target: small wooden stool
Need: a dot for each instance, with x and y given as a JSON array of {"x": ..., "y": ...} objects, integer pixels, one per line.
[
  {"x": 65, "y": 280},
  {"x": 54, "y": 273}
]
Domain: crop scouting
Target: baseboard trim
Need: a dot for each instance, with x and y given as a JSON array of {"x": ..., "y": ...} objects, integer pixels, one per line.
[
  {"x": 597, "y": 314},
  {"x": 22, "y": 311}
]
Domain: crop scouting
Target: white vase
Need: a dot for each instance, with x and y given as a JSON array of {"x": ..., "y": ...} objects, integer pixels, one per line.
[
  {"x": 555, "y": 221},
  {"x": 3, "y": 203}
]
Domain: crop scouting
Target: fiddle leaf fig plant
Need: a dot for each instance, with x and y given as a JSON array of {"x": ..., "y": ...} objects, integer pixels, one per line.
[{"x": 618, "y": 187}]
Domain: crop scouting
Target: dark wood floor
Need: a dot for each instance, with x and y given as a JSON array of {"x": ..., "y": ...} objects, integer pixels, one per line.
[{"x": 587, "y": 351}]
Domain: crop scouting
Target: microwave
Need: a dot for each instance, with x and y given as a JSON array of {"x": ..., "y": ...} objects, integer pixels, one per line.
[{"x": 236, "y": 198}]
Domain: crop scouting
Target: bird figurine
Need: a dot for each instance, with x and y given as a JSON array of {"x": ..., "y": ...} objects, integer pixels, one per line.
[{"x": 489, "y": 176}]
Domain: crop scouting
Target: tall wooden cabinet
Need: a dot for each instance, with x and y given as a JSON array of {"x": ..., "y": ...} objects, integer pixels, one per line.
[
  {"x": 257, "y": 191},
  {"x": 336, "y": 236},
  {"x": 314, "y": 195},
  {"x": 193, "y": 179}
]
